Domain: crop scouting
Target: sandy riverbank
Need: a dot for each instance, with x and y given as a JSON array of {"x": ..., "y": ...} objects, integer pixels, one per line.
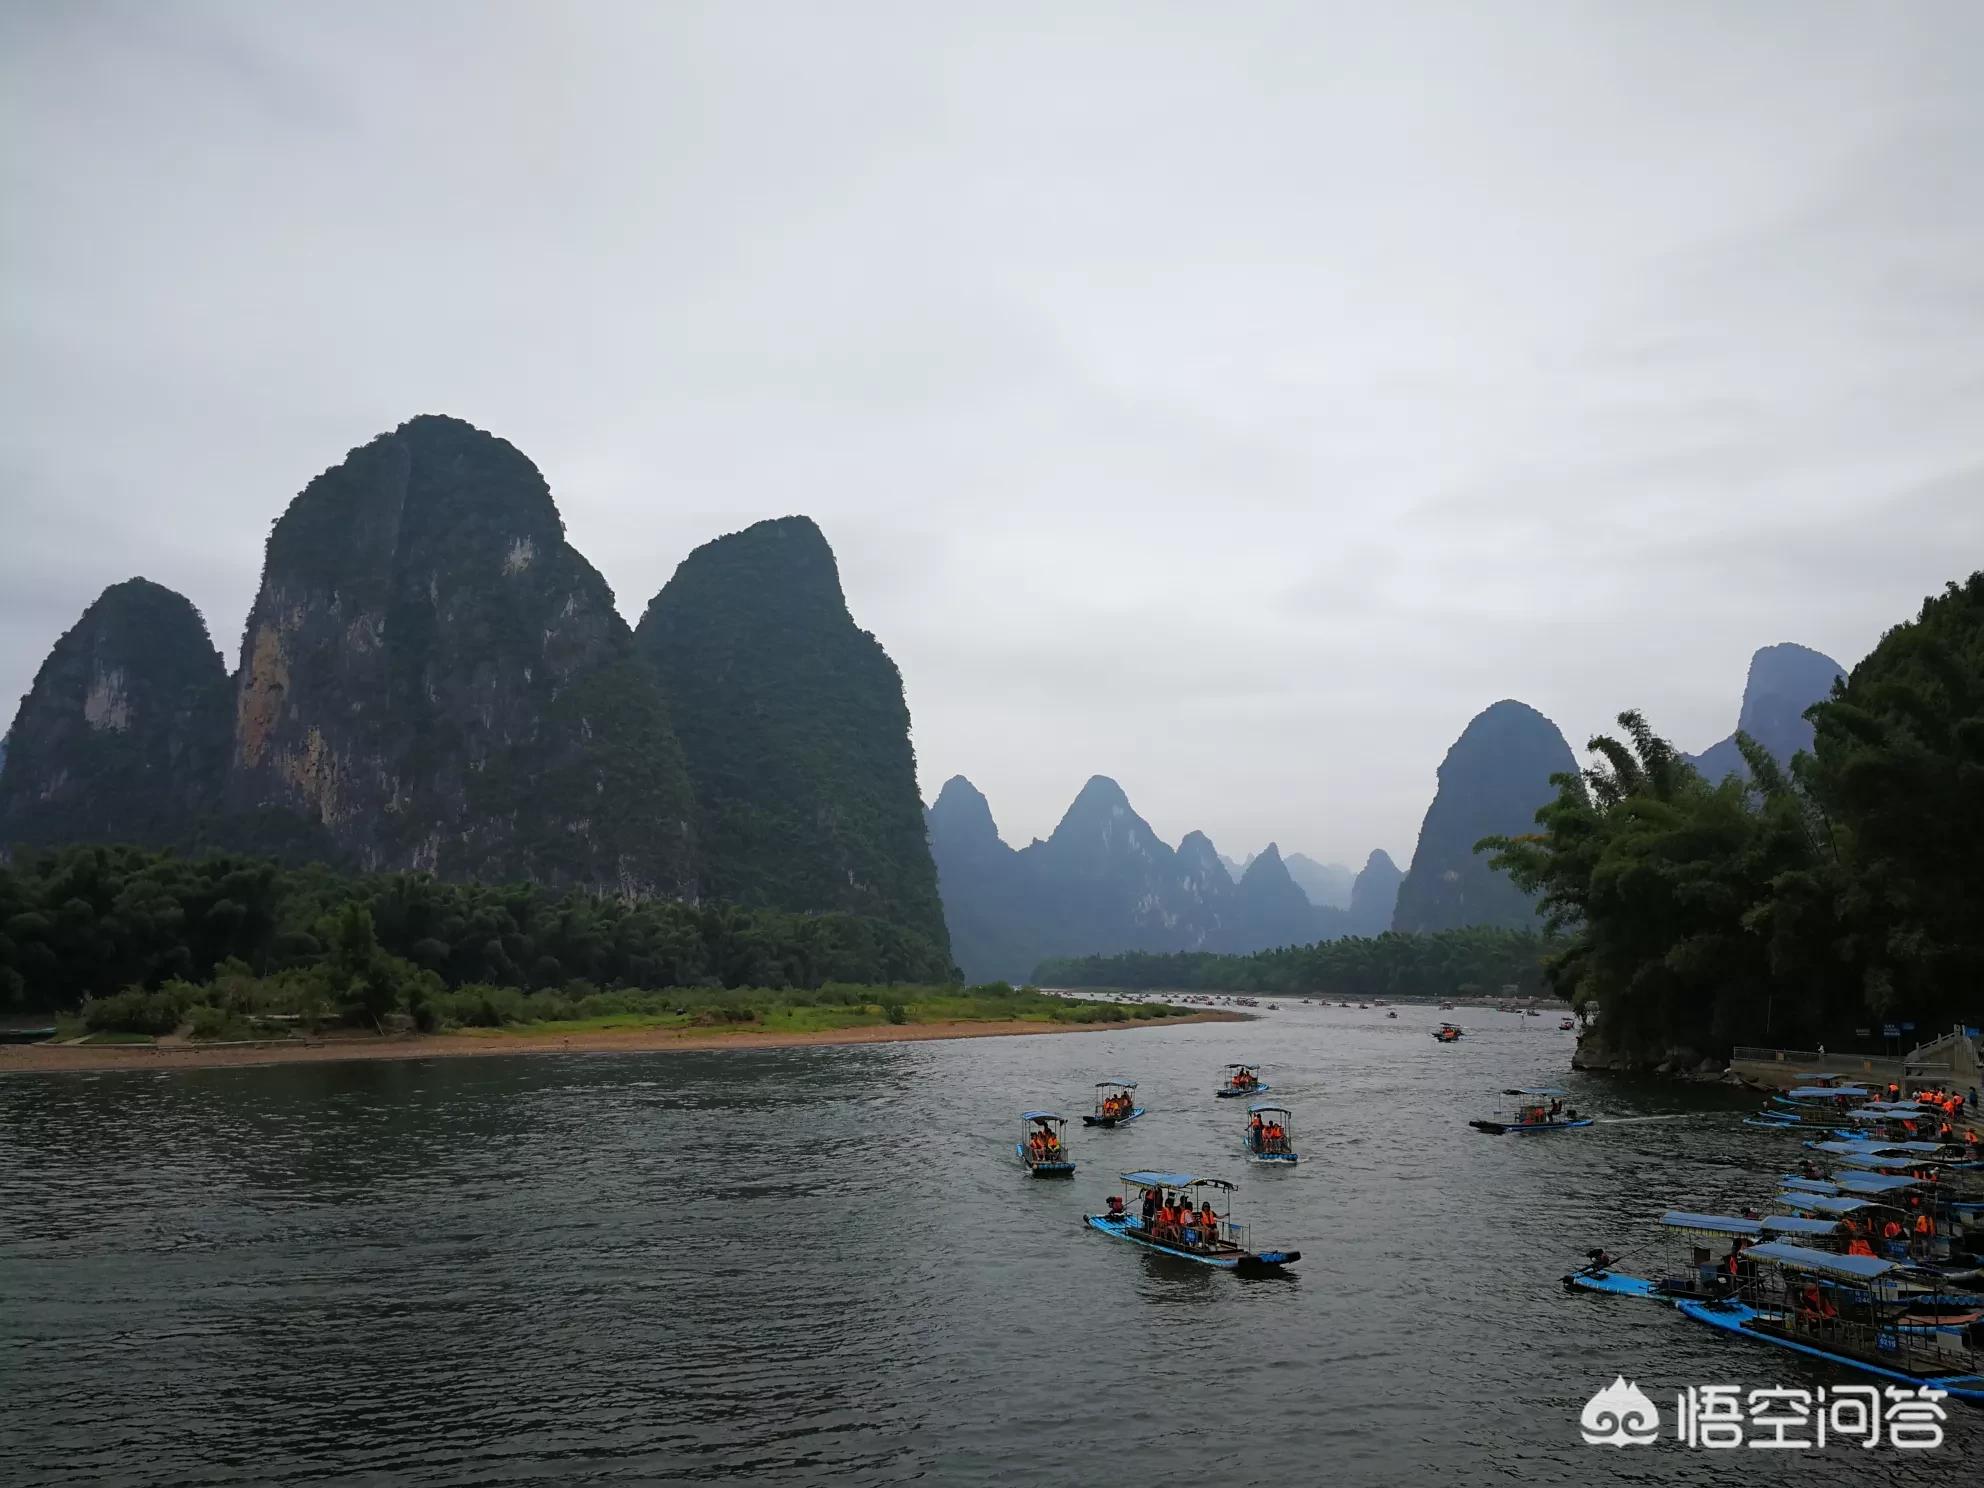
[{"x": 60, "y": 1058}]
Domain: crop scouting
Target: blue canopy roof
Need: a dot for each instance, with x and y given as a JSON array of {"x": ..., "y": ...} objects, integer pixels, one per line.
[
  {"x": 1160, "y": 1180},
  {"x": 1126, "y": 1084},
  {"x": 1879, "y": 1160},
  {"x": 1825, "y": 1203},
  {"x": 1826, "y": 1092},
  {"x": 1874, "y": 1183},
  {"x": 1715, "y": 1224},
  {"x": 1809, "y": 1185},
  {"x": 1541, "y": 1090},
  {"x": 1040, "y": 1116},
  {"x": 1799, "y": 1224},
  {"x": 1802, "y": 1258},
  {"x": 1268, "y": 1106}
]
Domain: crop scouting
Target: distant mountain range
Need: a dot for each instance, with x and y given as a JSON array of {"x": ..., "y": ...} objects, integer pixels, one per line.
[
  {"x": 1784, "y": 681},
  {"x": 1104, "y": 881},
  {"x": 1325, "y": 884}
]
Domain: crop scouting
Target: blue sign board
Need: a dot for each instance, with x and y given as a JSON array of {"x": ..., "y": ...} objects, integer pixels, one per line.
[
  {"x": 1908, "y": 1028},
  {"x": 1888, "y": 1030}
]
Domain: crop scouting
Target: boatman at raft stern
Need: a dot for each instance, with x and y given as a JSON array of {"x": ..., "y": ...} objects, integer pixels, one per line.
[{"x": 1150, "y": 1210}]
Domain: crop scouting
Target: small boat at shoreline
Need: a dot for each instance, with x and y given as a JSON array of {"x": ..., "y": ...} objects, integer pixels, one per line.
[
  {"x": 1267, "y": 1139},
  {"x": 1242, "y": 1079},
  {"x": 1537, "y": 1118},
  {"x": 1566, "y": 1025},
  {"x": 1040, "y": 1149},
  {"x": 1223, "y": 1246},
  {"x": 1115, "y": 1104}
]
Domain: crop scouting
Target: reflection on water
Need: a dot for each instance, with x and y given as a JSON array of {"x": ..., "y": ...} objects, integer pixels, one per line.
[{"x": 809, "y": 1265}]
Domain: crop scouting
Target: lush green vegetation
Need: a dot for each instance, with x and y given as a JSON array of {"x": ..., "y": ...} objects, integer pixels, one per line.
[
  {"x": 792, "y": 720},
  {"x": 237, "y": 1004},
  {"x": 1480, "y": 959},
  {"x": 1801, "y": 905},
  {"x": 94, "y": 922}
]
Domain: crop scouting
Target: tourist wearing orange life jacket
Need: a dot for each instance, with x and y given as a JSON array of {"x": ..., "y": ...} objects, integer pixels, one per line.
[{"x": 1923, "y": 1245}]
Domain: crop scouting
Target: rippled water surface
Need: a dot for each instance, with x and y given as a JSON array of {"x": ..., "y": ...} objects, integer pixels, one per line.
[{"x": 818, "y": 1265}]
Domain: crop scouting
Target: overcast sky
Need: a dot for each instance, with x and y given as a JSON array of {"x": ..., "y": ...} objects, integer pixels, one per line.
[{"x": 1230, "y": 399}]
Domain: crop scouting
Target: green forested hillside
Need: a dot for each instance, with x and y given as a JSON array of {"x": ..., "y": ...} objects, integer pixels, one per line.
[
  {"x": 1798, "y": 907},
  {"x": 92, "y": 921},
  {"x": 1476, "y": 960},
  {"x": 793, "y": 723}
]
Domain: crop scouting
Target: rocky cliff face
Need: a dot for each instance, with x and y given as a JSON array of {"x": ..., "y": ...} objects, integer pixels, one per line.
[
  {"x": 1492, "y": 781},
  {"x": 432, "y": 678},
  {"x": 1784, "y": 681},
  {"x": 124, "y": 735},
  {"x": 1374, "y": 896},
  {"x": 796, "y": 734}
]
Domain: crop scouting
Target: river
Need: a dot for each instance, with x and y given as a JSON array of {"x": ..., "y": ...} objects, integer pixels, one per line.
[{"x": 820, "y": 1265}]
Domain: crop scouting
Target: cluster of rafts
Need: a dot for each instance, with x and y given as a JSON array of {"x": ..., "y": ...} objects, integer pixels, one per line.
[
  {"x": 1181, "y": 1215},
  {"x": 1876, "y": 1261}
]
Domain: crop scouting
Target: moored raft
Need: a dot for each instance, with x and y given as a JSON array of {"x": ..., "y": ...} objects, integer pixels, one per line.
[
  {"x": 1702, "y": 1277},
  {"x": 1842, "y": 1308}
]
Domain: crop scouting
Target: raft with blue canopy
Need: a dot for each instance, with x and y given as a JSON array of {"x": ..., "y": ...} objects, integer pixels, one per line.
[
  {"x": 1698, "y": 1279},
  {"x": 1115, "y": 1104},
  {"x": 1242, "y": 1080},
  {"x": 1837, "y": 1308},
  {"x": 1042, "y": 1148},
  {"x": 1223, "y": 1246},
  {"x": 1269, "y": 1152},
  {"x": 1533, "y": 1119}
]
